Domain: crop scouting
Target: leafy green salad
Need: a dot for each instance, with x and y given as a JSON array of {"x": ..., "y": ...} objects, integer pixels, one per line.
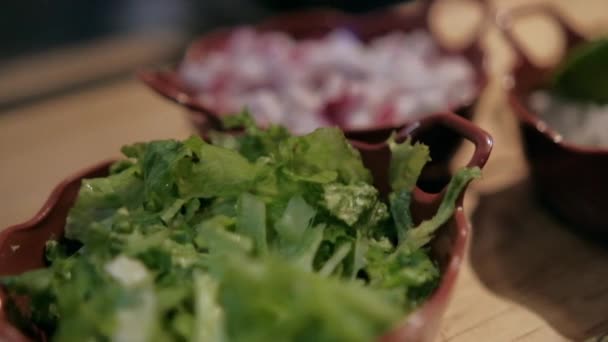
[{"x": 261, "y": 236}]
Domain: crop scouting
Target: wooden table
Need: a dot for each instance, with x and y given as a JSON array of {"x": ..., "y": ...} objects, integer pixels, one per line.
[{"x": 528, "y": 278}]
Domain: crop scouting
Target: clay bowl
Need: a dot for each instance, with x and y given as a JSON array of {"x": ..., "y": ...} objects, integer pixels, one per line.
[
  {"x": 569, "y": 178},
  {"x": 22, "y": 245},
  {"x": 315, "y": 24}
]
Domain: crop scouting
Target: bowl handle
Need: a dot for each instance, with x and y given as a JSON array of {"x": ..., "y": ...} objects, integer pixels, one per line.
[
  {"x": 165, "y": 83},
  {"x": 504, "y": 20},
  {"x": 481, "y": 139}
]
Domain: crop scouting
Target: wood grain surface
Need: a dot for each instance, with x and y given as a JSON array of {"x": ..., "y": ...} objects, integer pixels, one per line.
[{"x": 529, "y": 277}]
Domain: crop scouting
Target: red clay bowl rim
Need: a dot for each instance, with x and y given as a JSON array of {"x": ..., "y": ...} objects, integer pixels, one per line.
[
  {"x": 483, "y": 143},
  {"x": 531, "y": 118},
  {"x": 156, "y": 78}
]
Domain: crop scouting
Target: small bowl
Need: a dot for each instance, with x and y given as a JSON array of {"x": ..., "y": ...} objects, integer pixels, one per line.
[
  {"x": 315, "y": 24},
  {"x": 22, "y": 246},
  {"x": 569, "y": 178}
]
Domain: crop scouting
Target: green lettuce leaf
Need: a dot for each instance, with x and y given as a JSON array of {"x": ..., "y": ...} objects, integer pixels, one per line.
[
  {"x": 217, "y": 172},
  {"x": 209, "y": 325},
  {"x": 251, "y": 221},
  {"x": 267, "y": 298},
  {"x": 423, "y": 233},
  {"x": 349, "y": 202},
  {"x": 323, "y": 150},
  {"x": 100, "y": 198},
  {"x": 407, "y": 161}
]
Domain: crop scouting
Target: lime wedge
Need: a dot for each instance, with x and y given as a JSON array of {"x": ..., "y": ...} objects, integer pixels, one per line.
[{"x": 584, "y": 74}]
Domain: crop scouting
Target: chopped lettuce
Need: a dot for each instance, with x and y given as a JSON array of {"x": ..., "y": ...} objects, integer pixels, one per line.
[
  {"x": 406, "y": 165},
  {"x": 258, "y": 236},
  {"x": 349, "y": 202},
  {"x": 407, "y": 161}
]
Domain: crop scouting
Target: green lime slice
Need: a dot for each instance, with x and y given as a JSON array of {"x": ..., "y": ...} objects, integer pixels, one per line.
[{"x": 584, "y": 74}]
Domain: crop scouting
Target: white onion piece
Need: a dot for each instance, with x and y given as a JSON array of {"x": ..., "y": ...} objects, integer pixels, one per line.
[
  {"x": 394, "y": 78},
  {"x": 577, "y": 122}
]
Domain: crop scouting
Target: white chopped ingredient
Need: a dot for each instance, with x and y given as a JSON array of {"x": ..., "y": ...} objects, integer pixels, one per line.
[
  {"x": 134, "y": 323},
  {"x": 15, "y": 247},
  {"x": 129, "y": 272},
  {"x": 578, "y": 122},
  {"x": 334, "y": 80}
]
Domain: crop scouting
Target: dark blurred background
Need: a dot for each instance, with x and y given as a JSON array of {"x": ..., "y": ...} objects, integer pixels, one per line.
[
  {"x": 36, "y": 25},
  {"x": 50, "y": 47}
]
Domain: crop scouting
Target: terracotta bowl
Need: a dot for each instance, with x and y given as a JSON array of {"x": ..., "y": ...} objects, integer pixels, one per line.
[
  {"x": 570, "y": 179},
  {"x": 315, "y": 24},
  {"x": 22, "y": 246}
]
